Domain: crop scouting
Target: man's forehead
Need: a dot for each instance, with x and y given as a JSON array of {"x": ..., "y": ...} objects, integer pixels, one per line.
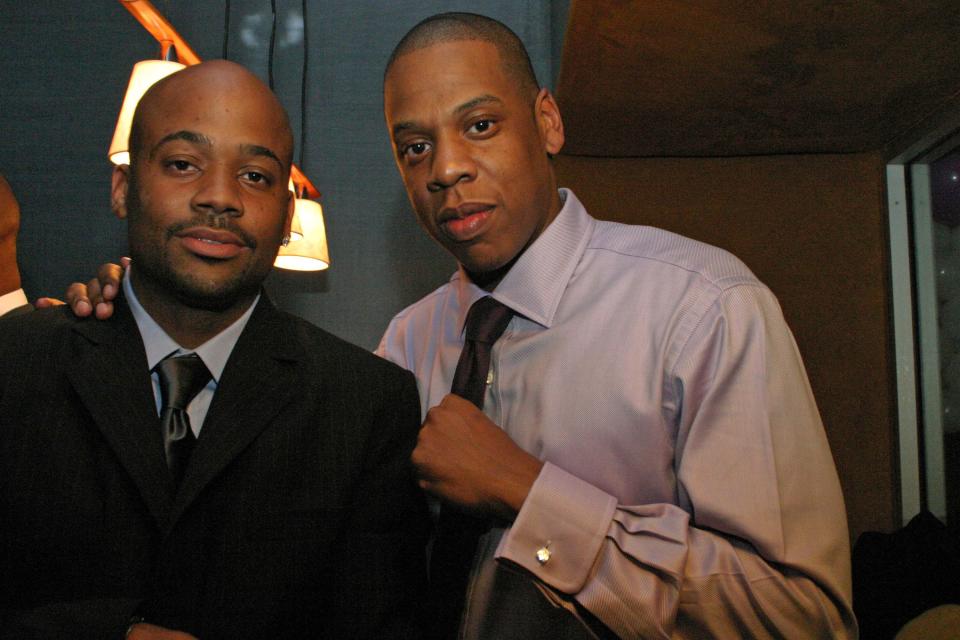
[
  {"x": 213, "y": 133},
  {"x": 448, "y": 73},
  {"x": 445, "y": 54},
  {"x": 217, "y": 123},
  {"x": 197, "y": 102}
]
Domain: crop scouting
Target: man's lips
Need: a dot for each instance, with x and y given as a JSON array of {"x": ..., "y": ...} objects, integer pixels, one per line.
[
  {"x": 211, "y": 243},
  {"x": 465, "y": 222}
]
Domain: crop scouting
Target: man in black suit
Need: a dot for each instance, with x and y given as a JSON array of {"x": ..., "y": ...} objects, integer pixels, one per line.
[
  {"x": 12, "y": 298},
  {"x": 295, "y": 514}
]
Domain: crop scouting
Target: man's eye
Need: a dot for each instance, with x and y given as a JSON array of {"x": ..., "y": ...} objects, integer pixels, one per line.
[
  {"x": 180, "y": 165},
  {"x": 481, "y": 126},
  {"x": 255, "y": 177},
  {"x": 415, "y": 149}
]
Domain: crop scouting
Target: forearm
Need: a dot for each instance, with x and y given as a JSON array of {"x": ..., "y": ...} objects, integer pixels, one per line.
[{"x": 646, "y": 571}]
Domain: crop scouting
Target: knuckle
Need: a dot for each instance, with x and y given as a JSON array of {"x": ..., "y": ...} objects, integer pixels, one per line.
[{"x": 433, "y": 415}]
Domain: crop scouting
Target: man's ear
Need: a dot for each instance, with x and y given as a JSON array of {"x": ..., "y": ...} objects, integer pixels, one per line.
[
  {"x": 549, "y": 121},
  {"x": 291, "y": 205},
  {"x": 119, "y": 183}
]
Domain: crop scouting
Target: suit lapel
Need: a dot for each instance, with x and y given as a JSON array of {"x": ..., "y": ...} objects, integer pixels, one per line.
[
  {"x": 259, "y": 380},
  {"x": 110, "y": 376}
]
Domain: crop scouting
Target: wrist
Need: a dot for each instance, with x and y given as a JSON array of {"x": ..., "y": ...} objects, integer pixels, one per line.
[{"x": 518, "y": 486}]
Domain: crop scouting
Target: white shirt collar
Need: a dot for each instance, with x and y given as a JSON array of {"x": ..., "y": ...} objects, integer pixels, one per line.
[{"x": 12, "y": 300}]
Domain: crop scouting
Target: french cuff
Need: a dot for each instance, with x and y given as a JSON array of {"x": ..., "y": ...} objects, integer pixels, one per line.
[{"x": 558, "y": 532}]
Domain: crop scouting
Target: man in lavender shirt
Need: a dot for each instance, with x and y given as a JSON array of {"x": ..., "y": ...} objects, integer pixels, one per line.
[
  {"x": 649, "y": 447},
  {"x": 649, "y": 444}
]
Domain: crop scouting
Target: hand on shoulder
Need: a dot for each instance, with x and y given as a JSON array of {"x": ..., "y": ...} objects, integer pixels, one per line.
[{"x": 97, "y": 295}]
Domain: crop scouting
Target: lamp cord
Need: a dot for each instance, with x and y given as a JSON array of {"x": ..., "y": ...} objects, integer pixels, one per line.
[
  {"x": 226, "y": 29},
  {"x": 303, "y": 87},
  {"x": 273, "y": 41}
]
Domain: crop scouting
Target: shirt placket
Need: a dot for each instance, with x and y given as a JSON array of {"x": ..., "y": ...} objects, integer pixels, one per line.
[{"x": 492, "y": 405}]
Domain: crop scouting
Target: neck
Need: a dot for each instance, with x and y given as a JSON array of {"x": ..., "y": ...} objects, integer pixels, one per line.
[
  {"x": 189, "y": 326},
  {"x": 488, "y": 280}
]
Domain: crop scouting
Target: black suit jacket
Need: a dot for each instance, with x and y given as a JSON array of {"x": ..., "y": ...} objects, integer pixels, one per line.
[{"x": 297, "y": 517}]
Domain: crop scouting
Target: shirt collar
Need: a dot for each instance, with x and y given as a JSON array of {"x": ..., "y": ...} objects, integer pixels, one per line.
[
  {"x": 158, "y": 345},
  {"x": 12, "y": 300},
  {"x": 536, "y": 282}
]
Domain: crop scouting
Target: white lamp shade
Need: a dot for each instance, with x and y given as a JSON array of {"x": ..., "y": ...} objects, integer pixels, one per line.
[
  {"x": 296, "y": 231},
  {"x": 309, "y": 253},
  {"x": 144, "y": 75}
]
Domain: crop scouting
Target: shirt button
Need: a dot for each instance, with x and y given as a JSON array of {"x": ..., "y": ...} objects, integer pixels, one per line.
[{"x": 490, "y": 377}]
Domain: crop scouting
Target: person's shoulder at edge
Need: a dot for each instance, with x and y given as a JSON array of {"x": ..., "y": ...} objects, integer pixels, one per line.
[
  {"x": 715, "y": 265},
  {"x": 30, "y": 337}
]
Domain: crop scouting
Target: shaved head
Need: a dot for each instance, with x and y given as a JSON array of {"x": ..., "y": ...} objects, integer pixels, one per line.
[
  {"x": 219, "y": 80},
  {"x": 456, "y": 26}
]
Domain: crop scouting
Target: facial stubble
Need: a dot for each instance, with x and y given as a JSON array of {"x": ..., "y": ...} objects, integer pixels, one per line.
[{"x": 149, "y": 249}]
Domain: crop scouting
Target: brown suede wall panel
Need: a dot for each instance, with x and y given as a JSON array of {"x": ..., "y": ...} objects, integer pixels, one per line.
[
  {"x": 813, "y": 228},
  {"x": 722, "y": 78}
]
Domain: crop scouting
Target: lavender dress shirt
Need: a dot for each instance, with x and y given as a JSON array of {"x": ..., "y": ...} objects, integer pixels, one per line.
[{"x": 688, "y": 489}]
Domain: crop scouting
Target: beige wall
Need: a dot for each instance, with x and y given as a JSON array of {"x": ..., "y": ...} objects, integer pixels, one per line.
[{"x": 813, "y": 227}]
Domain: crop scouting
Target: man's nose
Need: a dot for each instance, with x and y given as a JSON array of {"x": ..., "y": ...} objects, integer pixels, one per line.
[
  {"x": 453, "y": 163},
  {"x": 218, "y": 192}
]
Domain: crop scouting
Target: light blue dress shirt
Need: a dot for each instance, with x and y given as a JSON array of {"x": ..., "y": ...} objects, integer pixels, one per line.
[{"x": 158, "y": 345}]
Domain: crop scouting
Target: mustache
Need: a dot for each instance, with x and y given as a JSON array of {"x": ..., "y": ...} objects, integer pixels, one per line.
[{"x": 219, "y": 221}]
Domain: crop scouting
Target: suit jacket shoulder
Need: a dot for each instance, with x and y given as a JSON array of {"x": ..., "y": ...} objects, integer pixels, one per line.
[
  {"x": 332, "y": 361},
  {"x": 325, "y": 348},
  {"x": 38, "y": 339}
]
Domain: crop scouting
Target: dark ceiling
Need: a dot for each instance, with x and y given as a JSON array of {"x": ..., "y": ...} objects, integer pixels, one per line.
[{"x": 726, "y": 77}]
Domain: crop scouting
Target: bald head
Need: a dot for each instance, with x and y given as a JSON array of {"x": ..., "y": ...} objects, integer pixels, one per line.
[
  {"x": 215, "y": 82},
  {"x": 457, "y": 26}
]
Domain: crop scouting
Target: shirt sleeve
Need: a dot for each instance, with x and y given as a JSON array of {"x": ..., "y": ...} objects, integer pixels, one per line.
[
  {"x": 12, "y": 300},
  {"x": 757, "y": 544}
]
